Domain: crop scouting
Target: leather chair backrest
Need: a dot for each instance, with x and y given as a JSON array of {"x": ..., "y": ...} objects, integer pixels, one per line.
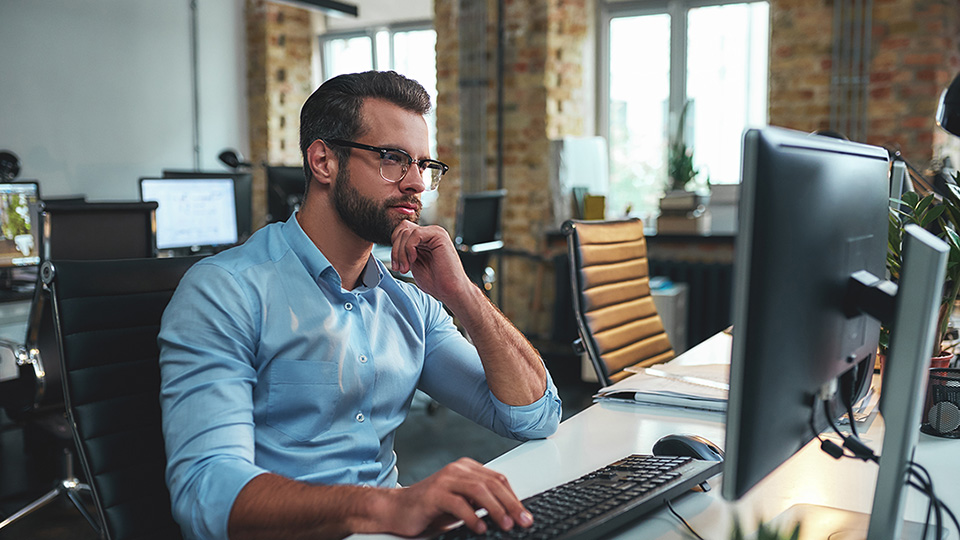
[
  {"x": 107, "y": 318},
  {"x": 616, "y": 316}
]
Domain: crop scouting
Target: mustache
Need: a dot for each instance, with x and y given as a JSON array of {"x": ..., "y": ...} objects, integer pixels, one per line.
[{"x": 407, "y": 199}]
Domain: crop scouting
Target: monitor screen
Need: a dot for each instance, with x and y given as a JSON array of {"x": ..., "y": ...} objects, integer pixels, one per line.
[
  {"x": 284, "y": 192},
  {"x": 479, "y": 217},
  {"x": 243, "y": 193},
  {"x": 813, "y": 211},
  {"x": 193, "y": 213},
  {"x": 19, "y": 228}
]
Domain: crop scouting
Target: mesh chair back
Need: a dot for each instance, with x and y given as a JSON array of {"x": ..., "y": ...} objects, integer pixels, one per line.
[
  {"x": 107, "y": 318},
  {"x": 616, "y": 317}
]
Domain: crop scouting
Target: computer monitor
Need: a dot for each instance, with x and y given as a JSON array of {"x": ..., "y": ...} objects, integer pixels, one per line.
[
  {"x": 813, "y": 216},
  {"x": 20, "y": 244},
  {"x": 243, "y": 193},
  {"x": 284, "y": 191},
  {"x": 19, "y": 233},
  {"x": 478, "y": 218},
  {"x": 194, "y": 215}
]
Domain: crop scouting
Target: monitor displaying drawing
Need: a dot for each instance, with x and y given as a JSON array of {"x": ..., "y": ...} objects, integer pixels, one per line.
[
  {"x": 243, "y": 193},
  {"x": 19, "y": 231},
  {"x": 197, "y": 214}
]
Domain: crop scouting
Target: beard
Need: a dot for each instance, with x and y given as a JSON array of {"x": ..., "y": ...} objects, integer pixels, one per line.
[{"x": 365, "y": 217}]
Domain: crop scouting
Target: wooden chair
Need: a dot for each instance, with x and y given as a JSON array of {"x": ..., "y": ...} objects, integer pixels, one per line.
[{"x": 617, "y": 320}]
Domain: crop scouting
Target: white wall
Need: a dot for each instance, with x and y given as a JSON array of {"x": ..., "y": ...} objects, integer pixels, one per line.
[{"x": 97, "y": 93}]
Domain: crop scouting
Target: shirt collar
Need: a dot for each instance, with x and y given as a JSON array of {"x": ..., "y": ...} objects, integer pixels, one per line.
[{"x": 316, "y": 263}]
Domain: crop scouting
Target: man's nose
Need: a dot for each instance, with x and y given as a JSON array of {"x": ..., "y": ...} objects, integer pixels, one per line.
[{"x": 414, "y": 180}]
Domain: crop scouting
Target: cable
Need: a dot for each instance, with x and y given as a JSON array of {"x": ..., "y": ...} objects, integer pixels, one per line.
[
  {"x": 674, "y": 512},
  {"x": 918, "y": 476}
]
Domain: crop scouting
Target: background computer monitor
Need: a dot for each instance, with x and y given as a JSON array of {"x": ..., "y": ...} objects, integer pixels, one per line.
[
  {"x": 284, "y": 191},
  {"x": 19, "y": 233},
  {"x": 243, "y": 194},
  {"x": 195, "y": 215},
  {"x": 813, "y": 211}
]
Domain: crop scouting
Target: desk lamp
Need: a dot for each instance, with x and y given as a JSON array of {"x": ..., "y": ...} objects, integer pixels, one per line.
[{"x": 231, "y": 158}]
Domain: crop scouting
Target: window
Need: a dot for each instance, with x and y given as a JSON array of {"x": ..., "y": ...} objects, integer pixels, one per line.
[
  {"x": 662, "y": 57},
  {"x": 409, "y": 50}
]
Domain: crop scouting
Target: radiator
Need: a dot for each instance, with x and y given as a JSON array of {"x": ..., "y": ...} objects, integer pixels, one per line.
[{"x": 710, "y": 294}]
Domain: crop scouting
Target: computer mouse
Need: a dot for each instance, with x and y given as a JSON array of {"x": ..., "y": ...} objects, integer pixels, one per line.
[{"x": 693, "y": 446}]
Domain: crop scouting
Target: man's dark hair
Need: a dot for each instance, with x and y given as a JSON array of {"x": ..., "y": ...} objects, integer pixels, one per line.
[{"x": 333, "y": 110}]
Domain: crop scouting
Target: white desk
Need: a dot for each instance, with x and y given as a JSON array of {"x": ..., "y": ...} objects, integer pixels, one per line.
[{"x": 606, "y": 432}]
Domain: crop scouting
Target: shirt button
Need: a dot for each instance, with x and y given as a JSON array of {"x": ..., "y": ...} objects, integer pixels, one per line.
[
  {"x": 348, "y": 306},
  {"x": 359, "y": 417},
  {"x": 363, "y": 359}
]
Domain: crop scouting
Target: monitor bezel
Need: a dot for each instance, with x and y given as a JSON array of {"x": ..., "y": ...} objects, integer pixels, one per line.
[{"x": 195, "y": 248}]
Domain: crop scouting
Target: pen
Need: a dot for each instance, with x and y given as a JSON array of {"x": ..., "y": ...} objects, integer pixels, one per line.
[{"x": 687, "y": 379}]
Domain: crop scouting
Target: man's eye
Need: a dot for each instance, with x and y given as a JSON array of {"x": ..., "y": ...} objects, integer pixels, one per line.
[{"x": 395, "y": 158}]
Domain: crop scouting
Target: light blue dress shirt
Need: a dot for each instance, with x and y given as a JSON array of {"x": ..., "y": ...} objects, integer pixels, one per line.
[{"x": 269, "y": 365}]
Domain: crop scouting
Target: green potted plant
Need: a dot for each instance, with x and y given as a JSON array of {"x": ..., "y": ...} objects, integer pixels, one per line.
[
  {"x": 681, "y": 174},
  {"x": 941, "y": 216}
]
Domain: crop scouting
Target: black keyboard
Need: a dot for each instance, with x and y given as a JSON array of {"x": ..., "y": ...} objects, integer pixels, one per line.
[{"x": 600, "y": 502}]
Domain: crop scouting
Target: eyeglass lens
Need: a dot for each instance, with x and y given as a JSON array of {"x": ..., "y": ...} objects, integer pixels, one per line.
[{"x": 394, "y": 165}]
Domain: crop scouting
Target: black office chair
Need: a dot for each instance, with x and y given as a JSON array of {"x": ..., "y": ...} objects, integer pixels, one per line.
[
  {"x": 71, "y": 230},
  {"x": 107, "y": 317},
  {"x": 478, "y": 235},
  {"x": 616, "y": 317}
]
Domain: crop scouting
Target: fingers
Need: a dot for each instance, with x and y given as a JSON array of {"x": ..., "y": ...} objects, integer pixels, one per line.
[
  {"x": 404, "y": 248},
  {"x": 474, "y": 486}
]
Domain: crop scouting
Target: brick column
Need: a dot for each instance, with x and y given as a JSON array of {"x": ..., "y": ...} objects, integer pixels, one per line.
[
  {"x": 544, "y": 88},
  {"x": 279, "y": 49}
]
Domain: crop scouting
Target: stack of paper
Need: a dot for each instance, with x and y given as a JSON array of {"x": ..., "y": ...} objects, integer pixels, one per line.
[{"x": 703, "y": 387}]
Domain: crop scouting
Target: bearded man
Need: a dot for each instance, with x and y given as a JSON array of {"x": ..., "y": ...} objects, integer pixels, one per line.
[{"x": 288, "y": 362}]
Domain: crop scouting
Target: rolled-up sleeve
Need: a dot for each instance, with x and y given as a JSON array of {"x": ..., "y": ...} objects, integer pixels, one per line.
[
  {"x": 206, "y": 342},
  {"x": 453, "y": 375}
]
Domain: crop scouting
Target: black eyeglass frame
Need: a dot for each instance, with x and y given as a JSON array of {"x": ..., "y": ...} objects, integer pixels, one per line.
[{"x": 422, "y": 164}]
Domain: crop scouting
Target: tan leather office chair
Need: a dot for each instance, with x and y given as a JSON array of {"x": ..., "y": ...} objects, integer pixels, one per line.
[{"x": 617, "y": 320}]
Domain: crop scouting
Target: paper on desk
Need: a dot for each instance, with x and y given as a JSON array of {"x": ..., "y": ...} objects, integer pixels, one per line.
[{"x": 676, "y": 386}]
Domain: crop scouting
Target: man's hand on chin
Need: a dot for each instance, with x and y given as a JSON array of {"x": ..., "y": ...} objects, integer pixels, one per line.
[{"x": 428, "y": 253}]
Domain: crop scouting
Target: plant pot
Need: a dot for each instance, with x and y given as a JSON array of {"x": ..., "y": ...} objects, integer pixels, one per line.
[{"x": 942, "y": 361}]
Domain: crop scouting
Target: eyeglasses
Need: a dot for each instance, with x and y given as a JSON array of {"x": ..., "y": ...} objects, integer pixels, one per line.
[{"x": 394, "y": 163}]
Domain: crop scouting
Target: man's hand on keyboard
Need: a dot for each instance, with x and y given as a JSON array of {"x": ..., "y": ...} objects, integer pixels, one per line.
[{"x": 455, "y": 493}]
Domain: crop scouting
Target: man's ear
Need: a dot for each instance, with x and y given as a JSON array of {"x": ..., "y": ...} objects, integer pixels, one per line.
[{"x": 322, "y": 161}]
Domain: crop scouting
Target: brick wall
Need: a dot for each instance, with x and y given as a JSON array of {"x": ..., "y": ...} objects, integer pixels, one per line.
[{"x": 914, "y": 52}]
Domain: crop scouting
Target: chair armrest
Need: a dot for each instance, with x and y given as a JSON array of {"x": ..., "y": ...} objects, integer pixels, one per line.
[{"x": 481, "y": 247}]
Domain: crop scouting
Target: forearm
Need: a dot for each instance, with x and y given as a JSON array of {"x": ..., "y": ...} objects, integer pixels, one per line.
[
  {"x": 513, "y": 368},
  {"x": 271, "y": 506}
]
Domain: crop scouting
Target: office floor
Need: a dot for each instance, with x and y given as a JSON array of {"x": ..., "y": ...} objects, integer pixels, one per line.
[{"x": 425, "y": 443}]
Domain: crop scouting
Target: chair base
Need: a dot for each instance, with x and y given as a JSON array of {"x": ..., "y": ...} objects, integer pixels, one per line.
[{"x": 70, "y": 488}]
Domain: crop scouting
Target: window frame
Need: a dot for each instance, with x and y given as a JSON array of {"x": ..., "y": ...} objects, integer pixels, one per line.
[
  {"x": 371, "y": 33},
  {"x": 677, "y": 10}
]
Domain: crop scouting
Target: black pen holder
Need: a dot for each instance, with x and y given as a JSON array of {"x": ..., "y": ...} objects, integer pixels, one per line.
[{"x": 941, "y": 412}]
